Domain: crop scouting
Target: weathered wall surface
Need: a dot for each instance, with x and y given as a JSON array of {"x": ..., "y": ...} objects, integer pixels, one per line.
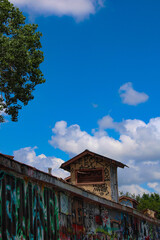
[
  {"x": 35, "y": 205},
  {"x": 81, "y": 220},
  {"x": 114, "y": 183},
  {"x": 88, "y": 162},
  {"x": 27, "y": 210}
]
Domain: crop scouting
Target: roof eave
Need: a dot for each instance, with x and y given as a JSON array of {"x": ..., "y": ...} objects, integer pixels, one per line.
[{"x": 66, "y": 165}]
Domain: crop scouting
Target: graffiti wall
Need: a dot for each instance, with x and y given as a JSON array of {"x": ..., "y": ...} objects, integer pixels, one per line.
[
  {"x": 28, "y": 210},
  {"x": 32, "y": 210},
  {"x": 86, "y": 221}
]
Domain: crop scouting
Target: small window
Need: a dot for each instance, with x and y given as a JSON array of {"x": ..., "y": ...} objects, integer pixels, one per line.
[{"x": 90, "y": 176}]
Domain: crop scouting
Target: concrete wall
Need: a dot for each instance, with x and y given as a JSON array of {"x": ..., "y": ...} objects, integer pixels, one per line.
[
  {"x": 36, "y": 205},
  {"x": 102, "y": 190}
]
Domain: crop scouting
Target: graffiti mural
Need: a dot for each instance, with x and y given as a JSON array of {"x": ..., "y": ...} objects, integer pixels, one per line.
[
  {"x": 28, "y": 210},
  {"x": 33, "y": 211},
  {"x": 64, "y": 205},
  {"x": 127, "y": 203},
  {"x": 94, "y": 222},
  {"x": 72, "y": 224}
]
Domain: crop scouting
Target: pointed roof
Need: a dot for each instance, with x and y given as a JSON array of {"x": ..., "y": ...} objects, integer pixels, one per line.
[{"x": 66, "y": 165}]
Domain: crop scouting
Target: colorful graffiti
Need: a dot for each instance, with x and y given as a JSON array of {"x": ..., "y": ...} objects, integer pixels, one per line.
[
  {"x": 94, "y": 222},
  {"x": 33, "y": 211},
  {"x": 127, "y": 203},
  {"x": 28, "y": 210}
]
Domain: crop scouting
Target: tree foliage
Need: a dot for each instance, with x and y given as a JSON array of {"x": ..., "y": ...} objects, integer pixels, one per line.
[
  {"x": 146, "y": 201},
  {"x": 149, "y": 201},
  {"x": 20, "y": 58}
]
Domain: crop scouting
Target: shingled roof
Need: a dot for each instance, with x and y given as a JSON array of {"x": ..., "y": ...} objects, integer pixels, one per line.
[{"x": 66, "y": 165}]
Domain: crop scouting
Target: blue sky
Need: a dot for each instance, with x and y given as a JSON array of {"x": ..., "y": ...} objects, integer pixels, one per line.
[{"x": 102, "y": 87}]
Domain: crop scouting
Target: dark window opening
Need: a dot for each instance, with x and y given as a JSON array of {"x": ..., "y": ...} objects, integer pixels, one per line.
[{"x": 90, "y": 176}]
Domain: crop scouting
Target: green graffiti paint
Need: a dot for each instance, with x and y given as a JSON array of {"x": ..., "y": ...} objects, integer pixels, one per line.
[{"x": 27, "y": 211}]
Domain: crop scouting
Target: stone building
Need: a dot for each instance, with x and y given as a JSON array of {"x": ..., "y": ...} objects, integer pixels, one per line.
[{"x": 95, "y": 173}]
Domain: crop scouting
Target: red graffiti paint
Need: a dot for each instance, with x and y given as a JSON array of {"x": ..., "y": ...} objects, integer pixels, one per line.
[{"x": 78, "y": 228}]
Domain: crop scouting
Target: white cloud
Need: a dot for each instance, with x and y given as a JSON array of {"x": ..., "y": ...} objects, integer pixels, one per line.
[
  {"x": 130, "y": 96},
  {"x": 28, "y": 156},
  {"x": 151, "y": 162},
  {"x": 137, "y": 140},
  {"x": 155, "y": 186},
  {"x": 79, "y": 9},
  {"x": 152, "y": 185},
  {"x": 2, "y": 110},
  {"x": 133, "y": 189},
  {"x": 137, "y": 146},
  {"x": 106, "y": 122}
]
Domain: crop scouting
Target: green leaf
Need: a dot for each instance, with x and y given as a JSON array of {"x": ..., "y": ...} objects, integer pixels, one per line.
[{"x": 20, "y": 59}]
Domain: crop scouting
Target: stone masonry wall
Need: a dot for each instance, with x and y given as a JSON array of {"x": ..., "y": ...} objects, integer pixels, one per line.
[{"x": 102, "y": 190}]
